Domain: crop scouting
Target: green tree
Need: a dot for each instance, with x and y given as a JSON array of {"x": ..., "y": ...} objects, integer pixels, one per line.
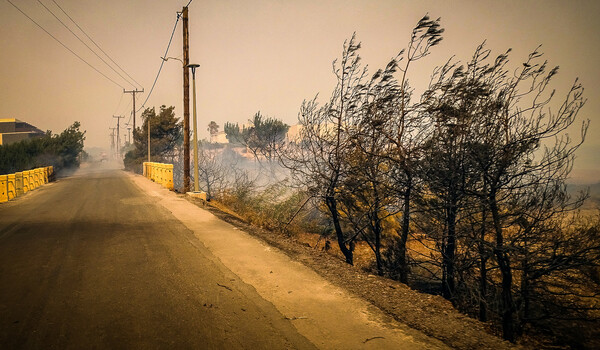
[
  {"x": 233, "y": 133},
  {"x": 69, "y": 145},
  {"x": 165, "y": 135},
  {"x": 60, "y": 151},
  {"x": 264, "y": 138},
  {"x": 213, "y": 128}
]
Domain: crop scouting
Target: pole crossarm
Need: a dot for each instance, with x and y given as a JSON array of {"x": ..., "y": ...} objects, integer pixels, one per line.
[{"x": 133, "y": 92}]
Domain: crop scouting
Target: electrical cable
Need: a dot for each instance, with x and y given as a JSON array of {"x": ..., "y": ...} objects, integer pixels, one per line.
[
  {"x": 86, "y": 45},
  {"x": 130, "y": 111},
  {"x": 161, "y": 64},
  {"x": 65, "y": 46},
  {"x": 118, "y": 104},
  {"x": 92, "y": 40}
]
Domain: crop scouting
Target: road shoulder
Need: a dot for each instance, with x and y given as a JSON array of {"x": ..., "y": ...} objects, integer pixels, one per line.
[
  {"x": 328, "y": 316},
  {"x": 332, "y": 315}
]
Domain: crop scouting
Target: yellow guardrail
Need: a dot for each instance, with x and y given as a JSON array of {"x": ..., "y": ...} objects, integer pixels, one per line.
[
  {"x": 160, "y": 173},
  {"x": 17, "y": 184}
]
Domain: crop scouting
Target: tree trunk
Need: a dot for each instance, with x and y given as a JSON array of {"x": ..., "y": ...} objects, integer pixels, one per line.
[
  {"x": 377, "y": 231},
  {"x": 508, "y": 308},
  {"x": 348, "y": 253},
  {"x": 405, "y": 231},
  {"x": 525, "y": 288},
  {"x": 483, "y": 269},
  {"x": 483, "y": 290},
  {"x": 448, "y": 252}
]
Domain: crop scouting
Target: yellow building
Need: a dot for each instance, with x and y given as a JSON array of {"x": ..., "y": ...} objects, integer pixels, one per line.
[{"x": 13, "y": 130}]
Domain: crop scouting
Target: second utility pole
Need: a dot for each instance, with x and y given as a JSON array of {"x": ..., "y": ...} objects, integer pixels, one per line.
[
  {"x": 118, "y": 132},
  {"x": 133, "y": 92},
  {"x": 186, "y": 103},
  {"x": 112, "y": 142}
]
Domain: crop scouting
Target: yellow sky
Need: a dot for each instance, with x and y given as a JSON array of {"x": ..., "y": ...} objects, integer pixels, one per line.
[{"x": 268, "y": 55}]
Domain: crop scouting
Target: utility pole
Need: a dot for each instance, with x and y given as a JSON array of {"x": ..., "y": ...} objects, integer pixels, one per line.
[
  {"x": 186, "y": 102},
  {"x": 112, "y": 141},
  {"x": 148, "y": 123},
  {"x": 133, "y": 92},
  {"x": 118, "y": 133},
  {"x": 129, "y": 134},
  {"x": 196, "y": 187}
]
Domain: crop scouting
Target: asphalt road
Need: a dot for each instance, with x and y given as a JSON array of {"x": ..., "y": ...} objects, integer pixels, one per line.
[{"x": 91, "y": 261}]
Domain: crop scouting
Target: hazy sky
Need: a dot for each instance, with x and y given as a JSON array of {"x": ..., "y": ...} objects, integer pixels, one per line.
[{"x": 267, "y": 55}]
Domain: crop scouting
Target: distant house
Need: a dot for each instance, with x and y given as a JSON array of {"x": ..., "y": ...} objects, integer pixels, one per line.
[
  {"x": 293, "y": 133},
  {"x": 219, "y": 137},
  {"x": 13, "y": 130}
]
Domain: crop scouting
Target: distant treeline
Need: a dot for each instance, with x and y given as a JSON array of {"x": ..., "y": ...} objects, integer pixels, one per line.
[{"x": 60, "y": 151}]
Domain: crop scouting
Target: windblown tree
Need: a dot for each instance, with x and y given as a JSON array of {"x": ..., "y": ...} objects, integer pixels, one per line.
[
  {"x": 349, "y": 147},
  {"x": 516, "y": 159},
  {"x": 475, "y": 168},
  {"x": 319, "y": 161},
  {"x": 406, "y": 131},
  {"x": 447, "y": 170}
]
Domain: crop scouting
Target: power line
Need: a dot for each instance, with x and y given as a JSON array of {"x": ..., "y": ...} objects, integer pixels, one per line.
[
  {"x": 118, "y": 104},
  {"x": 92, "y": 40},
  {"x": 123, "y": 109},
  {"x": 86, "y": 45},
  {"x": 129, "y": 120},
  {"x": 161, "y": 63},
  {"x": 126, "y": 108},
  {"x": 63, "y": 45}
]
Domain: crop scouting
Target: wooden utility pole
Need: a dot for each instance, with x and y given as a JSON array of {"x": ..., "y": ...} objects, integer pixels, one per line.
[
  {"x": 186, "y": 102},
  {"x": 129, "y": 134},
  {"x": 118, "y": 132},
  {"x": 112, "y": 141},
  {"x": 133, "y": 92},
  {"x": 148, "y": 124}
]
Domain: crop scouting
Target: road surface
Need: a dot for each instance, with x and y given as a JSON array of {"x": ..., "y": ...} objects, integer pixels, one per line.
[{"x": 108, "y": 260}]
